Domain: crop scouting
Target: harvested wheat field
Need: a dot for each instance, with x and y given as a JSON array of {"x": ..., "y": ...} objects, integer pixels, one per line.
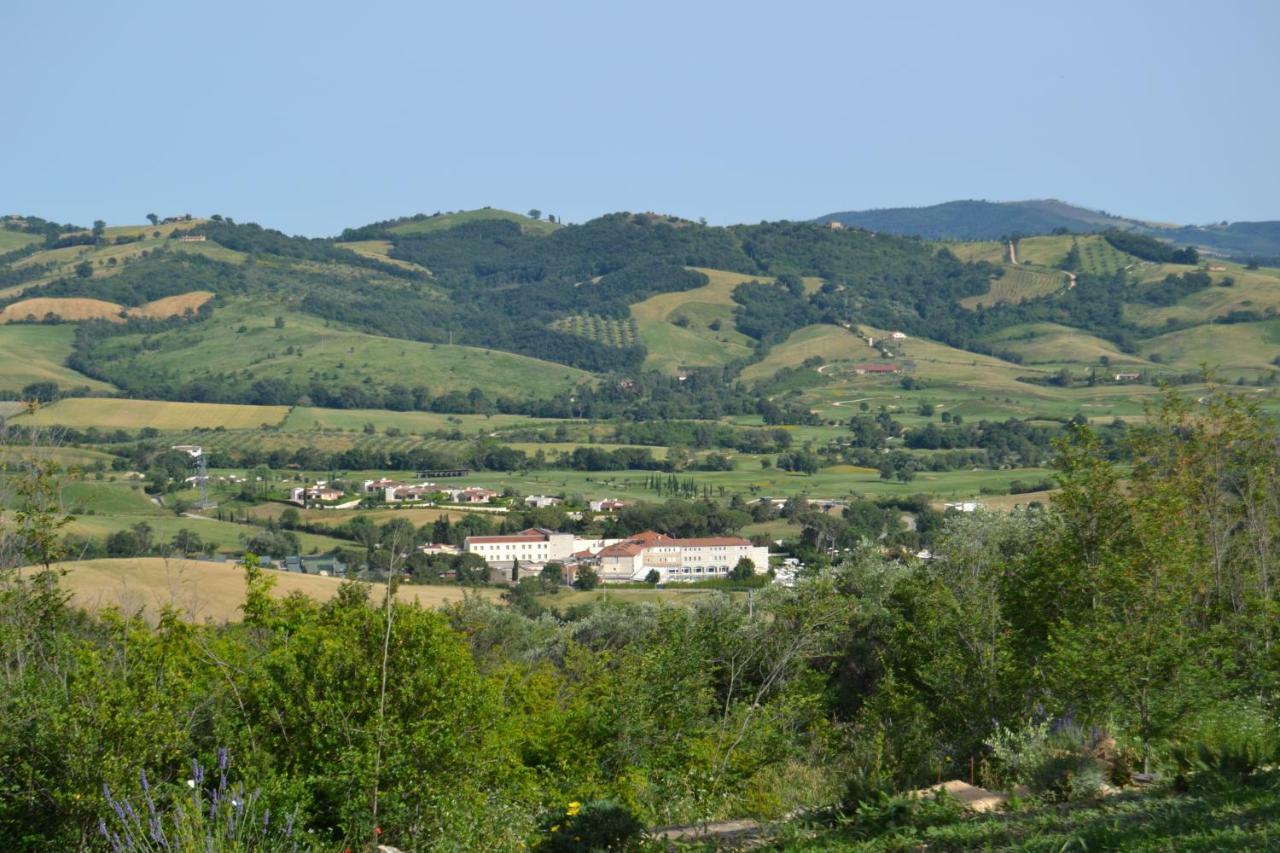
[
  {"x": 68, "y": 308},
  {"x": 172, "y": 306},
  {"x": 203, "y": 590}
]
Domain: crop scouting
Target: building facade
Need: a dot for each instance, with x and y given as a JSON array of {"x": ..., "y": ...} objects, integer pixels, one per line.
[
  {"x": 677, "y": 560},
  {"x": 535, "y": 545}
]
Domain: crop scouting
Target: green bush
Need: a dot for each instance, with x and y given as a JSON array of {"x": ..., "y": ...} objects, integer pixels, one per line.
[
  {"x": 1058, "y": 764},
  {"x": 1066, "y": 774},
  {"x": 596, "y": 825}
]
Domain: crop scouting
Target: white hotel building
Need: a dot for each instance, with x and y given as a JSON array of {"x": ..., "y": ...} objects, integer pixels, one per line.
[
  {"x": 534, "y": 545},
  {"x": 678, "y": 559}
]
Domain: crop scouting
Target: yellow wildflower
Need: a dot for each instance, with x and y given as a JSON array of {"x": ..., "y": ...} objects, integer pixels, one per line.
[{"x": 574, "y": 808}]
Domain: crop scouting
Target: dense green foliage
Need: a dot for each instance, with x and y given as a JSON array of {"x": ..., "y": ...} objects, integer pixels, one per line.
[
  {"x": 1150, "y": 249},
  {"x": 1131, "y": 624}
]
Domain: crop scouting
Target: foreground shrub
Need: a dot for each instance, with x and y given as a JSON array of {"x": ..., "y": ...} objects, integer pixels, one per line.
[
  {"x": 597, "y": 825},
  {"x": 213, "y": 817},
  {"x": 1057, "y": 763}
]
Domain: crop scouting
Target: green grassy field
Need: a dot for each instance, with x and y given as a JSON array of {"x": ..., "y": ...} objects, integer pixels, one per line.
[
  {"x": 1228, "y": 349},
  {"x": 1017, "y": 284},
  {"x": 751, "y": 479},
  {"x": 102, "y": 507},
  {"x": 832, "y": 343},
  {"x": 310, "y": 418},
  {"x": 991, "y": 251},
  {"x": 451, "y": 220},
  {"x": 1050, "y": 343},
  {"x": 111, "y": 413},
  {"x": 1253, "y": 290},
  {"x": 1096, "y": 254},
  {"x": 242, "y": 338},
  {"x": 67, "y": 457},
  {"x": 379, "y": 250},
  {"x": 211, "y": 250},
  {"x": 12, "y": 240},
  {"x": 671, "y": 346},
  {"x": 39, "y": 354},
  {"x": 227, "y": 536}
]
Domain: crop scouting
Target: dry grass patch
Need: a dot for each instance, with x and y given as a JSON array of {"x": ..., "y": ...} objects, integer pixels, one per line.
[
  {"x": 204, "y": 590},
  {"x": 172, "y": 306},
  {"x": 71, "y": 309}
]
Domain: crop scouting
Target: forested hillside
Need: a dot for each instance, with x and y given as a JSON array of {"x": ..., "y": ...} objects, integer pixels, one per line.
[{"x": 491, "y": 311}]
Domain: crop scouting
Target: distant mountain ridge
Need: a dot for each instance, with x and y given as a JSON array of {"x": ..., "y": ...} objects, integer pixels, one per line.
[{"x": 990, "y": 220}]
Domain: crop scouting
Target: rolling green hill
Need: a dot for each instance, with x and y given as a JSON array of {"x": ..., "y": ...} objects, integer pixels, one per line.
[
  {"x": 39, "y": 354},
  {"x": 243, "y": 344},
  {"x": 414, "y": 313},
  {"x": 693, "y": 328},
  {"x": 445, "y": 221}
]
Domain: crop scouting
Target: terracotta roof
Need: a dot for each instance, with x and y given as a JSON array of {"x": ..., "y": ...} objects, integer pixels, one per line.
[
  {"x": 650, "y": 539},
  {"x": 621, "y": 549}
]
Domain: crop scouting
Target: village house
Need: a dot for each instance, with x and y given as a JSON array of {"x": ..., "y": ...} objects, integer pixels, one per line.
[
  {"x": 862, "y": 369},
  {"x": 378, "y": 487},
  {"x": 542, "y": 501},
  {"x": 1127, "y": 377},
  {"x": 608, "y": 505},
  {"x": 677, "y": 560},
  {"x": 472, "y": 495},
  {"x": 320, "y": 492},
  {"x": 403, "y": 493},
  {"x": 534, "y": 545},
  {"x": 962, "y": 506}
]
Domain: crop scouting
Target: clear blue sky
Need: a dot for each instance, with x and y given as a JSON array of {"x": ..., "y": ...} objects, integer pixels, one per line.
[{"x": 312, "y": 116}]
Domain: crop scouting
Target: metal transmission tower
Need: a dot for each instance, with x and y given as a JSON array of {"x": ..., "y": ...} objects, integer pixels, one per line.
[{"x": 196, "y": 452}]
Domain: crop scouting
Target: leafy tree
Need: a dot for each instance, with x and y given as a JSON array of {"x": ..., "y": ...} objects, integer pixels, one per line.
[
  {"x": 552, "y": 574},
  {"x": 41, "y": 392},
  {"x": 587, "y": 579},
  {"x": 153, "y": 218},
  {"x": 187, "y": 542}
]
